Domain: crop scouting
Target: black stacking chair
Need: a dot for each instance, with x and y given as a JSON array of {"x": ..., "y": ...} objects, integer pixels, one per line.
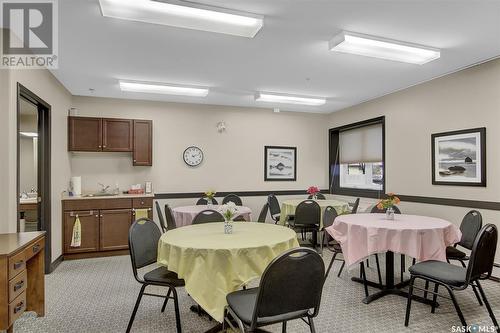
[
  {"x": 263, "y": 213},
  {"x": 170, "y": 218},
  {"x": 289, "y": 289},
  {"x": 239, "y": 218},
  {"x": 143, "y": 239},
  {"x": 470, "y": 226},
  {"x": 307, "y": 218},
  {"x": 160, "y": 217},
  {"x": 208, "y": 216},
  {"x": 454, "y": 277},
  {"x": 329, "y": 217},
  {"x": 319, "y": 196},
  {"x": 204, "y": 201},
  {"x": 274, "y": 207},
  {"x": 355, "y": 206},
  {"x": 376, "y": 210},
  {"x": 234, "y": 198}
]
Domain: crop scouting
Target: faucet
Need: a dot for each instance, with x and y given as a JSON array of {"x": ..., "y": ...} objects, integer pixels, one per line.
[{"x": 104, "y": 188}]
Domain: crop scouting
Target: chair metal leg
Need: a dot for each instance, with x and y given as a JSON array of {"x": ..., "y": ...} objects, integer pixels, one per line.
[
  {"x": 368, "y": 262},
  {"x": 177, "y": 314},
  {"x": 408, "y": 304},
  {"x": 283, "y": 327},
  {"x": 403, "y": 266},
  {"x": 363, "y": 274},
  {"x": 341, "y": 268},
  {"x": 330, "y": 265},
  {"x": 426, "y": 288},
  {"x": 434, "y": 298},
  {"x": 414, "y": 261},
  {"x": 132, "y": 317},
  {"x": 311, "y": 325},
  {"x": 166, "y": 300},
  {"x": 457, "y": 307},
  {"x": 378, "y": 269},
  {"x": 488, "y": 307},
  {"x": 474, "y": 289},
  {"x": 322, "y": 241}
]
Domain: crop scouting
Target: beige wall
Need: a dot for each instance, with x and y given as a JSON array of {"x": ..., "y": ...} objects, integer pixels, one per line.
[
  {"x": 234, "y": 160},
  {"x": 46, "y": 86},
  {"x": 466, "y": 99}
]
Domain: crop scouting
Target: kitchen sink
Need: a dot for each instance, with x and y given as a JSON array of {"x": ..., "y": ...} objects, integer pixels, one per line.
[{"x": 99, "y": 194}]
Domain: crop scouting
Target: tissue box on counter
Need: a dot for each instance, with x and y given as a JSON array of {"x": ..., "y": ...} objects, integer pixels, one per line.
[{"x": 136, "y": 189}]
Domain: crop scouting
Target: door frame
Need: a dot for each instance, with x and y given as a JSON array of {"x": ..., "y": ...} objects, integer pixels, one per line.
[{"x": 44, "y": 167}]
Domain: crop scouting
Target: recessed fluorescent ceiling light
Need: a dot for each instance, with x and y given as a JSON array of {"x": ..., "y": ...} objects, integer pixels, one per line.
[
  {"x": 377, "y": 47},
  {"x": 158, "y": 88},
  {"x": 29, "y": 134},
  {"x": 289, "y": 99},
  {"x": 184, "y": 14}
]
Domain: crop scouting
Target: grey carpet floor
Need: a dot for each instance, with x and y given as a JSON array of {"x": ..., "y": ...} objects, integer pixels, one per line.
[{"x": 98, "y": 295}]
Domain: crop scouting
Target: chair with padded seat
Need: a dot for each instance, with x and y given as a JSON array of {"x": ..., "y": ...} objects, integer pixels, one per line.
[
  {"x": 454, "y": 277},
  {"x": 300, "y": 270},
  {"x": 234, "y": 198},
  {"x": 307, "y": 218},
  {"x": 204, "y": 201},
  {"x": 208, "y": 216},
  {"x": 170, "y": 218},
  {"x": 470, "y": 226},
  {"x": 160, "y": 217},
  {"x": 354, "y": 206},
  {"x": 275, "y": 210},
  {"x": 143, "y": 239},
  {"x": 319, "y": 196},
  {"x": 263, "y": 213}
]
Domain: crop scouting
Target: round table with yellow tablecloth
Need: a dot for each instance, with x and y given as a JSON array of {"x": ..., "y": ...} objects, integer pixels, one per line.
[
  {"x": 288, "y": 208},
  {"x": 213, "y": 264}
]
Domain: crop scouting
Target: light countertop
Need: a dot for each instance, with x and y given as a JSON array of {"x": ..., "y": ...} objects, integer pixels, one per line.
[{"x": 65, "y": 196}]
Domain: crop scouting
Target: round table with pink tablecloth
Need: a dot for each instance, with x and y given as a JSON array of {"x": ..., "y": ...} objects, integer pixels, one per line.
[
  {"x": 420, "y": 237},
  {"x": 184, "y": 215}
]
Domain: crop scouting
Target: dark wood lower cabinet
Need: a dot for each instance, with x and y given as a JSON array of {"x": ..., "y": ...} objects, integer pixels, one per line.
[
  {"x": 113, "y": 229},
  {"x": 105, "y": 225},
  {"x": 89, "y": 221}
]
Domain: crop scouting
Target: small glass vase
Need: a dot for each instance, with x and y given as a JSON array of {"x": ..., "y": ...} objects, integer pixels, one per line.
[
  {"x": 389, "y": 213},
  {"x": 210, "y": 202},
  {"x": 228, "y": 227},
  {"x": 315, "y": 196}
]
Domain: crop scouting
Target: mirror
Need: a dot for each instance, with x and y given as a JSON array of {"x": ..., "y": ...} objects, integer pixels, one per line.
[{"x": 28, "y": 166}]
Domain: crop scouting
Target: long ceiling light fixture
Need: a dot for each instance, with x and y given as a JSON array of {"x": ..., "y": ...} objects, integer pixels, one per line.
[
  {"x": 160, "y": 88},
  {"x": 185, "y": 14},
  {"x": 289, "y": 99},
  {"x": 377, "y": 47}
]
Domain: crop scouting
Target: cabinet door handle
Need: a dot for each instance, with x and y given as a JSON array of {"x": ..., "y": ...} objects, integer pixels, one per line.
[
  {"x": 18, "y": 307},
  {"x": 18, "y": 264},
  {"x": 103, "y": 146},
  {"x": 18, "y": 285},
  {"x": 36, "y": 248}
]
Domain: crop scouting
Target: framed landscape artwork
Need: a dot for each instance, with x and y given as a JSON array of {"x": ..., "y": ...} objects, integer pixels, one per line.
[
  {"x": 459, "y": 158},
  {"x": 280, "y": 163}
]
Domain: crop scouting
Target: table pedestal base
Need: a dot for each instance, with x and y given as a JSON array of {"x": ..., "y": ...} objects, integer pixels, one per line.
[{"x": 390, "y": 288}]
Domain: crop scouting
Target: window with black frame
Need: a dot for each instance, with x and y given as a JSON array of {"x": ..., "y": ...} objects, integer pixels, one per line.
[{"x": 357, "y": 159}]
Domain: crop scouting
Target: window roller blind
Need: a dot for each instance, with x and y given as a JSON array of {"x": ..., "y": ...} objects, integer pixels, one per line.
[{"x": 361, "y": 145}]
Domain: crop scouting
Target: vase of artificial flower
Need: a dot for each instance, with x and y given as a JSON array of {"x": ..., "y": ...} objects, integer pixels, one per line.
[
  {"x": 388, "y": 205},
  {"x": 229, "y": 211},
  {"x": 209, "y": 196},
  {"x": 313, "y": 191}
]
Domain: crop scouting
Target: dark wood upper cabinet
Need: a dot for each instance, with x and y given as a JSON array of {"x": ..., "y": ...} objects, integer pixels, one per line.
[
  {"x": 117, "y": 134},
  {"x": 84, "y": 134},
  {"x": 112, "y": 135},
  {"x": 143, "y": 143}
]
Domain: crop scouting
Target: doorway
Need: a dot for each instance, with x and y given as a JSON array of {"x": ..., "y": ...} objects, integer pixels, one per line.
[{"x": 33, "y": 166}]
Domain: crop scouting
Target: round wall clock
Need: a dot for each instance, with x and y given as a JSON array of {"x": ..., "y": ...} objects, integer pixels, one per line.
[{"x": 193, "y": 156}]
